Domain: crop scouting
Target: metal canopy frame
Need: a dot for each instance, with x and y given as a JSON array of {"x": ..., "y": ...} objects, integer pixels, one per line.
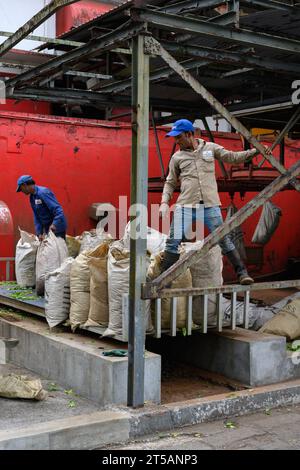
[{"x": 211, "y": 39}]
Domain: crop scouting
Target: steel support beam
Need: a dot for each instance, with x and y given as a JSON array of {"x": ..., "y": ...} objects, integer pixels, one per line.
[
  {"x": 56, "y": 41},
  {"x": 207, "y": 96},
  {"x": 71, "y": 95},
  {"x": 161, "y": 73},
  {"x": 95, "y": 46},
  {"x": 189, "y": 6},
  {"x": 151, "y": 290},
  {"x": 240, "y": 58},
  {"x": 289, "y": 125},
  {"x": 205, "y": 28},
  {"x": 33, "y": 23},
  {"x": 138, "y": 244}
]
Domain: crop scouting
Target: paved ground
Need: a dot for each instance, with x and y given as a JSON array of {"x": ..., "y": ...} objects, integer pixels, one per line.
[
  {"x": 272, "y": 429},
  {"x": 61, "y": 403}
]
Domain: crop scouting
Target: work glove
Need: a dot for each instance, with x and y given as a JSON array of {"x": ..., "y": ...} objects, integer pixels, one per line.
[{"x": 163, "y": 210}]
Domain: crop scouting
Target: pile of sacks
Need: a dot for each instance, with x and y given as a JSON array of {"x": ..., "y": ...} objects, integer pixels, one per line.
[{"x": 88, "y": 287}]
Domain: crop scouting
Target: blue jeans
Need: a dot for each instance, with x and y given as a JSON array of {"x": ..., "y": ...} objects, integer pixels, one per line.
[{"x": 183, "y": 218}]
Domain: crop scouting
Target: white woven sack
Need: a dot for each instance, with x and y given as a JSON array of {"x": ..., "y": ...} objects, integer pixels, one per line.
[
  {"x": 50, "y": 256},
  {"x": 25, "y": 259},
  {"x": 57, "y": 294}
]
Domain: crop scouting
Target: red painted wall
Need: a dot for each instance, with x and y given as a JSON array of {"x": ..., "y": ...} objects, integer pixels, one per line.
[
  {"x": 86, "y": 161},
  {"x": 35, "y": 107},
  {"x": 75, "y": 15}
]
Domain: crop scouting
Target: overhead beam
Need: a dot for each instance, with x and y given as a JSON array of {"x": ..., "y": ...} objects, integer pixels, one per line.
[
  {"x": 76, "y": 73},
  {"x": 74, "y": 96},
  {"x": 33, "y": 23},
  {"x": 151, "y": 290},
  {"x": 207, "y": 96},
  {"x": 190, "y": 6},
  {"x": 233, "y": 58},
  {"x": 93, "y": 47},
  {"x": 204, "y": 28},
  {"x": 31, "y": 37},
  {"x": 162, "y": 72}
]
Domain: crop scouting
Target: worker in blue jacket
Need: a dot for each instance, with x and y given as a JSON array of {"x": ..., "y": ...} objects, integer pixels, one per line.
[{"x": 48, "y": 213}]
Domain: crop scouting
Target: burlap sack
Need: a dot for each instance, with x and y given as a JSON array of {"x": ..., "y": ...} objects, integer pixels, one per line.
[
  {"x": 183, "y": 281},
  {"x": 286, "y": 322},
  {"x": 21, "y": 386},
  {"x": 80, "y": 285},
  {"x": 98, "y": 313}
]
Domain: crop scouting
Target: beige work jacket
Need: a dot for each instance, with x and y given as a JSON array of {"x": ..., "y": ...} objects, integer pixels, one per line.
[{"x": 196, "y": 172}]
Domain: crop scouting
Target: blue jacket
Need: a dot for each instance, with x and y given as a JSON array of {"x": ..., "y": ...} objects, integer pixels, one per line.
[{"x": 47, "y": 211}]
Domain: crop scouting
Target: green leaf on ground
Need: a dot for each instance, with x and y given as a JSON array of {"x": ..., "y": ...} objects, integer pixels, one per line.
[
  {"x": 230, "y": 425},
  {"x": 183, "y": 331},
  {"x": 72, "y": 404},
  {"x": 53, "y": 387},
  {"x": 267, "y": 411},
  {"x": 69, "y": 392}
]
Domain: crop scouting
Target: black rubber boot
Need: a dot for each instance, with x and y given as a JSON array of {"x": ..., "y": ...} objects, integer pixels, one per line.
[
  {"x": 168, "y": 260},
  {"x": 239, "y": 267}
]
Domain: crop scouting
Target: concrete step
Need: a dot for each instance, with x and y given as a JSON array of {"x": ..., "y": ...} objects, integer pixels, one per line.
[{"x": 76, "y": 361}]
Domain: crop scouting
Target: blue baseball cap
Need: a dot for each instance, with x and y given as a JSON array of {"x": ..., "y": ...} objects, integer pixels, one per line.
[
  {"x": 183, "y": 125},
  {"x": 23, "y": 179}
]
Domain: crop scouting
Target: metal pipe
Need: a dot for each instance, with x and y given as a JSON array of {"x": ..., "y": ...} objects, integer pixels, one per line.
[{"x": 138, "y": 245}]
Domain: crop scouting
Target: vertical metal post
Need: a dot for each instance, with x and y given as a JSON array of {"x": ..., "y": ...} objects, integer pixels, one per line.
[
  {"x": 189, "y": 318},
  {"x": 233, "y": 310},
  {"x": 219, "y": 312},
  {"x": 157, "y": 318},
  {"x": 246, "y": 309},
  {"x": 138, "y": 245},
  {"x": 173, "y": 315}
]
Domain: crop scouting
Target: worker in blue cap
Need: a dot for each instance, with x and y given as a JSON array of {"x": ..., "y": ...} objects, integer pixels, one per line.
[
  {"x": 194, "y": 165},
  {"x": 48, "y": 213}
]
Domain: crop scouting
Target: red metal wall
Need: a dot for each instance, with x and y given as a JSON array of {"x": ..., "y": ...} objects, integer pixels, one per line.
[
  {"x": 34, "y": 107},
  {"x": 75, "y": 15},
  {"x": 86, "y": 161}
]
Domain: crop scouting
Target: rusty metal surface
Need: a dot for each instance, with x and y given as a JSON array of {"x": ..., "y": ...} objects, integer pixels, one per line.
[{"x": 33, "y": 23}]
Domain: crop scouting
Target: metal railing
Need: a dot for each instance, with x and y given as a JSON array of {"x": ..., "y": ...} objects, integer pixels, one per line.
[
  {"x": 203, "y": 294},
  {"x": 8, "y": 262}
]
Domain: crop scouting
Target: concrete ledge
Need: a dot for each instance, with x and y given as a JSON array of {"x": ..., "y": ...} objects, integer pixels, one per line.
[
  {"x": 249, "y": 357},
  {"x": 96, "y": 430},
  {"x": 72, "y": 361},
  {"x": 168, "y": 417},
  {"x": 79, "y": 432}
]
